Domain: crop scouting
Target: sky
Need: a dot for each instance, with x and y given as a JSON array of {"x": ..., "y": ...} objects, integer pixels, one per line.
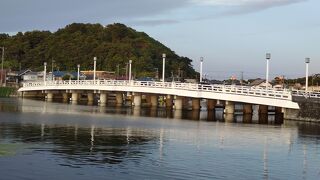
[{"x": 232, "y": 36}]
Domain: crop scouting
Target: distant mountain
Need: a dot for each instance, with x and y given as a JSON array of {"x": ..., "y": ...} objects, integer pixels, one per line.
[{"x": 78, "y": 43}]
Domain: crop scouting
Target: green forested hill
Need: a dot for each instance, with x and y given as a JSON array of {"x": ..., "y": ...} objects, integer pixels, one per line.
[{"x": 78, "y": 43}]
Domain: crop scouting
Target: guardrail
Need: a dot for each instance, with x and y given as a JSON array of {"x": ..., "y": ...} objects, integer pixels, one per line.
[
  {"x": 309, "y": 94},
  {"x": 215, "y": 88}
]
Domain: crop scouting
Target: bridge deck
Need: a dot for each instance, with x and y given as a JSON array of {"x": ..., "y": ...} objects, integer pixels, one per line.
[{"x": 245, "y": 94}]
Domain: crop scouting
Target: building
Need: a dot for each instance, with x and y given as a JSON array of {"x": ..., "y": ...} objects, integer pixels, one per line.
[
  {"x": 99, "y": 74},
  {"x": 260, "y": 83}
]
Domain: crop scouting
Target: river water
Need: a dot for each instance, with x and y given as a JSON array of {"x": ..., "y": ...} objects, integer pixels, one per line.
[{"x": 50, "y": 140}]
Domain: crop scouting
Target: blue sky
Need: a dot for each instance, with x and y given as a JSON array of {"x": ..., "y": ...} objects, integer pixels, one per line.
[{"x": 231, "y": 35}]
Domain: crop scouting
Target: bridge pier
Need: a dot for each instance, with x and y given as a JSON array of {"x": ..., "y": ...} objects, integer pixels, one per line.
[
  {"x": 49, "y": 96},
  {"x": 247, "y": 118},
  {"x": 185, "y": 103},
  {"x": 119, "y": 99},
  {"x": 169, "y": 102},
  {"x": 65, "y": 97},
  {"x": 247, "y": 108},
  {"x": 278, "y": 110},
  {"x": 154, "y": 101},
  {"x": 229, "y": 107},
  {"x": 263, "y": 109},
  {"x": 137, "y": 99},
  {"x": 90, "y": 97},
  {"x": 229, "y": 117},
  {"x": 177, "y": 114},
  {"x": 74, "y": 96},
  {"x": 178, "y": 105},
  {"x": 211, "y": 103},
  {"x": 103, "y": 98},
  {"x": 196, "y": 104}
]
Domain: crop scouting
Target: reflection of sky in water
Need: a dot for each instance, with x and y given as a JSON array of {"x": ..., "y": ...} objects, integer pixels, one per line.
[{"x": 80, "y": 142}]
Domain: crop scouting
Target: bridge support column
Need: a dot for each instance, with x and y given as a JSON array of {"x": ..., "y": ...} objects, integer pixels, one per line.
[
  {"x": 103, "y": 99},
  {"x": 65, "y": 97},
  {"x": 177, "y": 114},
  {"x": 119, "y": 99},
  {"x": 154, "y": 101},
  {"x": 90, "y": 97},
  {"x": 74, "y": 96},
  {"x": 247, "y": 109},
  {"x": 263, "y": 109},
  {"x": 278, "y": 110},
  {"x": 178, "y": 102},
  {"x": 137, "y": 99},
  {"x": 49, "y": 96},
  {"x": 196, "y": 104},
  {"x": 169, "y": 102},
  {"x": 185, "y": 103},
  {"x": 229, "y": 108},
  {"x": 211, "y": 103}
]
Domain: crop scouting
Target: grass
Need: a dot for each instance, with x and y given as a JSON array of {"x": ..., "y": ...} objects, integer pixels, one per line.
[{"x": 6, "y": 91}]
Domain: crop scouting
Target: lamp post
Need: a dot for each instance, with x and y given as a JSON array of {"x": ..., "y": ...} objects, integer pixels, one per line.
[
  {"x": 94, "y": 68},
  {"x": 268, "y": 57},
  {"x": 45, "y": 72},
  {"x": 163, "y": 66},
  {"x": 307, "y": 60},
  {"x": 2, "y": 59},
  {"x": 78, "y": 77},
  {"x": 130, "y": 62},
  {"x": 201, "y": 62}
]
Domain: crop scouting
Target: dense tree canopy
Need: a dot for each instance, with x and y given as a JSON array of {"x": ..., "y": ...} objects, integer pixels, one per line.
[{"x": 78, "y": 43}]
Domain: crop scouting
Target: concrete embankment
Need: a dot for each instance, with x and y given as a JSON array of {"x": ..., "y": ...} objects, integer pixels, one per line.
[{"x": 309, "y": 110}]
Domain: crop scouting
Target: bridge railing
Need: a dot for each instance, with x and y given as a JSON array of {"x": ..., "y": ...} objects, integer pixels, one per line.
[
  {"x": 216, "y": 88},
  {"x": 309, "y": 94}
]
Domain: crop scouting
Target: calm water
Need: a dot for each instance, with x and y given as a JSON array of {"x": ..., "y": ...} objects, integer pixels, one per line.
[{"x": 42, "y": 140}]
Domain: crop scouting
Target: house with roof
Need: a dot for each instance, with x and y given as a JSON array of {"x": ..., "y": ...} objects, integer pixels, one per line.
[
  {"x": 260, "y": 83},
  {"x": 61, "y": 75}
]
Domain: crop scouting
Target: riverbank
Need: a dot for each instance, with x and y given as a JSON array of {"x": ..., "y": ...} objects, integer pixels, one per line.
[{"x": 7, "y": 91}]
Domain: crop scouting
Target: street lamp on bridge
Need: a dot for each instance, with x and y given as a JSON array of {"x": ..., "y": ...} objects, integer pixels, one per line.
[
  {"x": 268, "y": 57},
  {"x": 78, "y": 77},
  {"x": 45, "y": 71},
  {"x": 94, "y": 68},
  {"x": 163, "y": 66},
  {"x": 307, "y": 60},
  {"x": 130, "y": 62},
  {"x": 201, "y": 61}
]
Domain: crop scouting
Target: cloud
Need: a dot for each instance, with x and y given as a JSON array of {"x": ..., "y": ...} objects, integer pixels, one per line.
[
  {"x": 22, "y": 15},
  {"x": 235, "y": 7}
]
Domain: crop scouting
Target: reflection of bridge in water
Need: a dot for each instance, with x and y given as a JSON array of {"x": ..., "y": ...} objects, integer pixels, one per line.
[{"x": 171, "y": 95}]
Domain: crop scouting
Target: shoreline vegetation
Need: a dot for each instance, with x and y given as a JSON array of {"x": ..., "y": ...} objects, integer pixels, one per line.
[{"x": 7, "y": 91}]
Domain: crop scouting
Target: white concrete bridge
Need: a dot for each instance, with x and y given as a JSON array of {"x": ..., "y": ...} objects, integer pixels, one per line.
[{"x": 175, "y": 93}]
